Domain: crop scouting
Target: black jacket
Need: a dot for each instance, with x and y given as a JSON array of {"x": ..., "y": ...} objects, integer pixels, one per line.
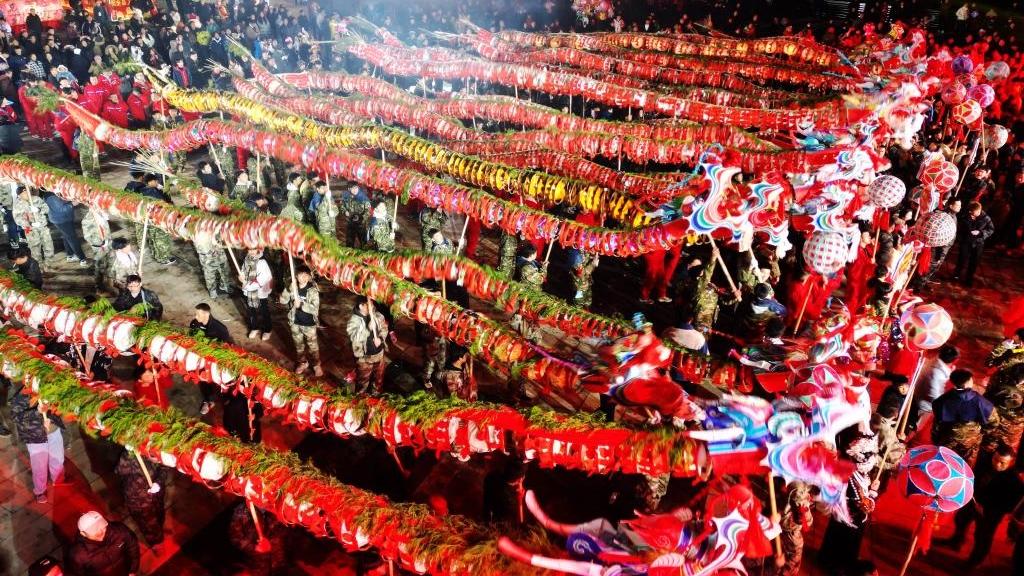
[
  {"x": 214, "y": 330},
  {"x": 116, "y": 555},
  {"x": 125, "y": 301},
  {"x": 982, "y": 224},
  {"x": 28, "y": 420},
  {"x": 31, "y": 272}
]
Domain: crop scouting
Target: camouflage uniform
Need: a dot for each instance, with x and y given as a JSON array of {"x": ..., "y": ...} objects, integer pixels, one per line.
[
  {"x": 292, "y": 210},
  {"x": 652, "y": 490},
  {"x": 705, "y": 299},
  {"x": 32, "y": 215},
  {"x": 306, "y": 192},
  {"x": 792, "y": 525},
  {"x": 88, "y": 155},
  {"x": 96, "y": 231},
  {"x": 263, "y": 180},
  {"x": 436, "y": 353},
  {"x": 145, "y": 508},
  {"x": 357, "y": 212},
  {"x": 582, "y": 279},
  {"x": 1008, "y": 399},
  {"x": 507, "y": 247},
  {"x": 327, "y": 216},
  {"x": 240, "y": 191},
  {"x": 458, "y": 384},
  {"x": 279, "y": 169},
  {"x": 532, "y": 273},
  {"x": 369, "y": 368},
  {"x": 431, "y": 218},
  {"x": 382, "y": 235},
  {"x": 225, "y": 161},
  {"x": 964, "y": 438},
  {"x": 214, "y": 263},
  {"x": 118, "y": 269},
  {"x": 158, "y": 242},
  {"x": 303, "y": 321}
]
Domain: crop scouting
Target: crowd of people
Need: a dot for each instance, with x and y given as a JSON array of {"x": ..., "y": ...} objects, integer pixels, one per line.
[{"x": 88, "y": 58}]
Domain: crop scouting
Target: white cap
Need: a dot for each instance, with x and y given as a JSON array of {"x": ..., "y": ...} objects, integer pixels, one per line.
[{"x": 91, "y": 522}]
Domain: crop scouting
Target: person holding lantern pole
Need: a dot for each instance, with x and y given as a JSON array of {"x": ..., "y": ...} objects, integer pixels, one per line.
[
  {"x": 303, "y": 302},
  {"x": 367, "y": 330},
  {"x": 121, "y": 263},
  {"x": 528, "y": 270},
  {"x": 31, "y": 214},
  {"x": 135, "y": 295},
  {"x": 356, "y": 208},
  {"x": 40, "y": 431},
  {"x": 381, "y": 230},
  {"x": 257, "y": 283},
  {"x": 322, "y": 209},
  {"x": 143, "y": 491}
]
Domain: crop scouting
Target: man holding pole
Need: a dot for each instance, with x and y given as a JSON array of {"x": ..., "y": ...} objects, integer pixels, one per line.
[
  {"x": 303, "y": 303},
  {"x": 142, "y": 484},
  {"x": 367, "y": 330}
]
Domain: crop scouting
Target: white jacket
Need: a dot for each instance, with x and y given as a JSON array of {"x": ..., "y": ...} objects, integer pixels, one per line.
[{"x": 264, "y": 282}]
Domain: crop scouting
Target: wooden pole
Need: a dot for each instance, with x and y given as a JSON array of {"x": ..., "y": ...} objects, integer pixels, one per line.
[
  {"x": 216, "y": 159},
  {"x": 547, "y": 256},
  {"x": 462, "y": 236},
  {"x": 234, "y": 260},
  {"x": 874, "y": 247},
  {"x": 142, "y": 248},
  {"x": 803, "y": 307},
  {"x": 295, "y": 284},
  {"x": 775, "y": 512},
  {"x": 394, "y": 213},
  {"x": 142, "y": 464},
  {"x": 910, "y": 556},
  {"x": 156, "y": 385},
  {"x": 904, "y": 413},
  {"x": 262, "y": 544},
  {"x": 718, "y": 256},
  {"x": 259, "y": 173},
  {"x": 85, "y": 365}
]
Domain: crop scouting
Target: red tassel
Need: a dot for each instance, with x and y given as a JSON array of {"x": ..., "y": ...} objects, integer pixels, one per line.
[{"x": 925, "y": 527}]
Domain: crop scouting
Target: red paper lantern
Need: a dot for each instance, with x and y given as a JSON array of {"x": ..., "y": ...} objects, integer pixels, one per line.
[
  {"x": 967, "y": 112},
  {"x": 941, "y": 175}
]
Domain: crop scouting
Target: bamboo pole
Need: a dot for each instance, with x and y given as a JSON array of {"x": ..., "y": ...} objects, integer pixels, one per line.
[
  {"x": 462, "y": 237},
  {"x": 142, "y": 464},
  {"x": 234, "y": 260},
  {"x": 142, "y": 248},
  {"x": 803, "y": 307},
  {"x": 721, "y": 262},
  {"x": 775, "y": 512},
  {"x": 910, "y": 556},
  {"x": 904, "y": 413},
  {"x": 262, "y": 544}
]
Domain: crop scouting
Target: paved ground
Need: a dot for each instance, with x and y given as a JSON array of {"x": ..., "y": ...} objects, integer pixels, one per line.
[{"x": 196, "y": 515}]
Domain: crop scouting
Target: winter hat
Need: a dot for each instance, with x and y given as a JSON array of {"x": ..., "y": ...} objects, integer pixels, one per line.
[{"x": 91, "y": 522}]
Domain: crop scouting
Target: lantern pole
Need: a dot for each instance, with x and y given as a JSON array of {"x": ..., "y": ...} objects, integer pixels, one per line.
[
  {"x": 910, "y": 555},
  {"x": 904, "y": 414}
]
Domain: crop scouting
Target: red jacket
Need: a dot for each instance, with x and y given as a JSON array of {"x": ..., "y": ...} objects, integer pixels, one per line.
[
  {"x": 93, "y": 97},
  {"x": 137, "y": 107},
  {"x": 116, "y": 112},
  {"x": 66, "y": 127},
  {"x": 111, "y": 82}
]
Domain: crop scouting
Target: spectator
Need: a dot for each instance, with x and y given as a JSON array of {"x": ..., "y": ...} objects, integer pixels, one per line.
[
  {"x": 41, "y": 432},
  {"x": 103, "y": 548},
  {"x": 62, "y": 215},
  {"x": 973, "y": 230}
]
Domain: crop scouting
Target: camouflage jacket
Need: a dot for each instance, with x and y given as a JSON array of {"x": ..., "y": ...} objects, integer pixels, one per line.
[
  {"x": 531, "y": 272},
  {"x": 355, "y": 208},
  {"x": 431, "y": 218},
  {"x": 327, "y": 216},
  {"x": 382, "y": 235},
  {"x": 310, "y": 304},
  {"x": 359, "y": 331},
  {"x": 31, "y": 214},
  {"x": 96, "y": 227}
]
